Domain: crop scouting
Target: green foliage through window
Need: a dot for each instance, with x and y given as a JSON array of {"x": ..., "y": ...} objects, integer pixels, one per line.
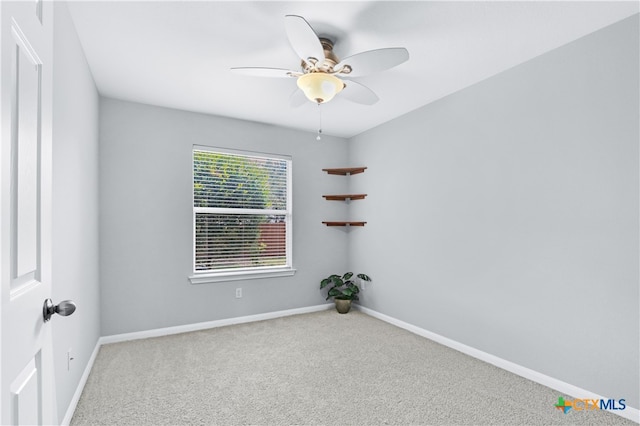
[{"x": 241, "y": 211}]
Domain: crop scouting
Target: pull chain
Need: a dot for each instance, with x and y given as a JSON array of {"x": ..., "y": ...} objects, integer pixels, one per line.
[{"x": 320, "y": 123}]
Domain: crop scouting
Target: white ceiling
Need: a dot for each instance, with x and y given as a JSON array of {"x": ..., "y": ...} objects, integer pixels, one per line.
[{"x": 178, "y": 54}]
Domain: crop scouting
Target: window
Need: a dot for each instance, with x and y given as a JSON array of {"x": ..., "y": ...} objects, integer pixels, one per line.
[{"x": 241, "y": 215}]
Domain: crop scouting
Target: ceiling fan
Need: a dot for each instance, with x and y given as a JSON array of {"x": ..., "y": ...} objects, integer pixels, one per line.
[{"x": 321, "y": 72}]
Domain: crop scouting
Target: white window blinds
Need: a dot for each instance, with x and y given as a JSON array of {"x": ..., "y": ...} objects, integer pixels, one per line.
[{"x": 242, "y": 213}]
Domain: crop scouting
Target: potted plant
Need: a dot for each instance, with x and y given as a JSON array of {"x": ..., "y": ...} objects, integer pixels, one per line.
[{"x": 343, "y": 289}]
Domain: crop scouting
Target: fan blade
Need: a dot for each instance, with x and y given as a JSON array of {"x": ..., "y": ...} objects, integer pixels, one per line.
[
  {"x": 358, "y": 93},
  {"x": 303, "y": 38},
  {"x": 264, "y": 72},
  {"x": 297, "y": 98},
  {"x": 373, "y": 61}
]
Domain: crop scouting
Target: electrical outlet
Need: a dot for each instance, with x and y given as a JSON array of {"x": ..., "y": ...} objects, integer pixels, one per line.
[
  {"x": 238, "y": 293},
  {"x": 69, "y": 358}
]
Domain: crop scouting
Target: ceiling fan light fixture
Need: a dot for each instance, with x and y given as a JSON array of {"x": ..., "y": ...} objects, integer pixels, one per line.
[{"x": 320, "y": 87}]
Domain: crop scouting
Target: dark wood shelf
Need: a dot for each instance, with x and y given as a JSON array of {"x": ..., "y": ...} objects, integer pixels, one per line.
[
  {"x": 344, "y": 197},
  {"x": 344, "y": 171}
]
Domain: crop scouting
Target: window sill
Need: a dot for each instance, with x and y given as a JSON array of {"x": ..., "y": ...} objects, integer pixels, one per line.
[{"x": 206, "y": 278}]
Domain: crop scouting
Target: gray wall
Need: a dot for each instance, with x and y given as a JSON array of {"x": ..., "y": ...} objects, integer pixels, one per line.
[
  {"x": 146, "y": 218},
  {"x": 75, "y": 206},
  {"x": 505, "y": 216}
]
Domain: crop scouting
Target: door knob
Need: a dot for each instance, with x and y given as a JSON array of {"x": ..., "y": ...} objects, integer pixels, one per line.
[{"x": 64, "y": 308}]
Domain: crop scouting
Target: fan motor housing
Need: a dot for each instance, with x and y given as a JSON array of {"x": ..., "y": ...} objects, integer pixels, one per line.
[{"x": 330, "y": 59}]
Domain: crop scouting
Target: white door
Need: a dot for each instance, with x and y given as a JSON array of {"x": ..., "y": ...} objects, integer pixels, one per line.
[{"x": 26, "y": 375}]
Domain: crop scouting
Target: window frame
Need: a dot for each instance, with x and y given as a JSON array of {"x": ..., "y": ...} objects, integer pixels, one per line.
[{"x": 235, "y": 274}]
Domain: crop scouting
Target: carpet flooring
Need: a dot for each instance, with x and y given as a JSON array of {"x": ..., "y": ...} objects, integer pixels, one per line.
[{"x": 321, "y": 368}]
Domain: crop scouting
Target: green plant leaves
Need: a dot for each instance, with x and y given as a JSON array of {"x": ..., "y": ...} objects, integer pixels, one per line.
[
  {"x": 324, "y": 283},
  {"x": 333, "y": 292},
  {"x": 351, "y": 290},
  {"x": 348, "y": 292},
  {"x": 337, "y": 281},
  {"x": 341, "y": 287}
]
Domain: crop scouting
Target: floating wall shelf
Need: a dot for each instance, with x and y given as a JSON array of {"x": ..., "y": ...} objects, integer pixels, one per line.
[
  {"x": 345, "y": 171},
  {"x": 344, "y": 197}
]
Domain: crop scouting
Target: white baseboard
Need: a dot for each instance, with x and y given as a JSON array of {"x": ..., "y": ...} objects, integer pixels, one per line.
[
  {"x": 158, "y": 332},
  {"x": 83, "y": 381},
  {"x": 630, "y": 413}
]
